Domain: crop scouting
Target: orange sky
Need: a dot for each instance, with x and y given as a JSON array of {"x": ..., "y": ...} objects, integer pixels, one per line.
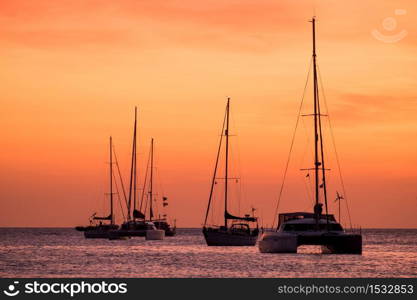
[{"x": 72, "y": 71}]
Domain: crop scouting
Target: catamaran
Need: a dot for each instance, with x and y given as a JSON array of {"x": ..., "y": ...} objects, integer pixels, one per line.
[
  {"x": 312, "y": 228},
  {"x": 236, "y": 230}
]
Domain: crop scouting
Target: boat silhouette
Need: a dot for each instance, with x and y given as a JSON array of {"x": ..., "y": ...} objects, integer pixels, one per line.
[{"x": 312, "y": 228}]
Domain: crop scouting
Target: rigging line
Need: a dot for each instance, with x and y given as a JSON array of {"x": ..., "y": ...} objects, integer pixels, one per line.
[
  {"x": 309, "y": 191},
  {"x": 159, "y": 190},
  {"x": 323, "y": 178},
  {"x": 158, "y": 186},
  {"x": 144, "y": 183},
  {"x": 235, "y": 152},
  {"x": 120, "y": 175},
  {"x": 215, "y": 169},
  {"x": 146, "y": 205},
  {"x": 291, "y": 147},
  {"x": 334, "y": 147},
  {"x": 212, "y": 210},
  {"x": 308, "y": 186},
  {"x": 118, "y": 196},
  {"x": 159, "y": 182},
  {"x": 306, "y": 147}
]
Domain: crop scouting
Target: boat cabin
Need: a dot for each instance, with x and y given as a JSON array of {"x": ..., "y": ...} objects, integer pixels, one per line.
[{"x": 302, "y": 221}]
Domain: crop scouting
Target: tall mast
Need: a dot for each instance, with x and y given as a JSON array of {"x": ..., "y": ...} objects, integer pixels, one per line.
[
  {"x": 132, "y": 183},
  {"x": 151, "y": 182},
  {"x": 226, "y": 169},
  {"x": 111, "y": 183},
  {"x": 316, "y": 116},
  {"x": 318, "y": 136},
  {"x": 213, "y": 179},
  {"x": 135, "y": 181}
]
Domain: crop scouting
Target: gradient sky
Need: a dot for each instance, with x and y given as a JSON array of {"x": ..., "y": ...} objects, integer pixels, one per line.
[{"x": 72, "y": 71}]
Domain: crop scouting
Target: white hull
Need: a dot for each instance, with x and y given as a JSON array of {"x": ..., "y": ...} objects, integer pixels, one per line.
[
  {"x": 156, "y": 234},
  {"x": 281, "y": 242},
  {"x": 273, "y": 242}
]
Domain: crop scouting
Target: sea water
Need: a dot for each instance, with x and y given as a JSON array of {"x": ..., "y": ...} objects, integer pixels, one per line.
[{"x": 64, "y": 252}]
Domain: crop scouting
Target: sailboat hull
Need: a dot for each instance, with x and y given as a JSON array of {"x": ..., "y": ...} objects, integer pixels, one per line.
[
  {"x": 96, "y": 234},
  {"x": 228, "y": 238},
  {"x": 133, "y": 228},
  {"x": 128, "y": 232},
  {"x": 99, "y": 232}
]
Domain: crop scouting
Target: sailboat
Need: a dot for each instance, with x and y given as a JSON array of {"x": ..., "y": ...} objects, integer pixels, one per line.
[
  {"x": 236, "y": 231},
  {"x": 97, "y": 228},
  {"x": 161, "y": 222},
  {"x": 135, "y": 225},
  {"x": 312, "y": 228}
]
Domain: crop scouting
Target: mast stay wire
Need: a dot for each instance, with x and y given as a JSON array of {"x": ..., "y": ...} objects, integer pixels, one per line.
[
  {"x": 291, "y": 147},
  {"x": 118, "y": 197},
  {"x": 309, "y": 188},
  {"x": 144, "y": 186},
  {"x": 120, "y": 176},
  {"x": 236, "y": 152},
  {"x": 334, "y": 147},
  {"x": 213, "y": 181}
]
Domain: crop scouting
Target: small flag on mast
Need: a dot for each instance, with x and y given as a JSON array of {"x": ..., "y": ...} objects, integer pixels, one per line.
[{"x": 338, "y": 197}]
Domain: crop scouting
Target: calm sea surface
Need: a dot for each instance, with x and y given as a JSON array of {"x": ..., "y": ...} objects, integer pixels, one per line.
[{"x": 57, "y": 252}]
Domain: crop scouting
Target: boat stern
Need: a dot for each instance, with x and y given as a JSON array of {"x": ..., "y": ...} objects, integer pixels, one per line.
[{"x": 276, "y": 242}]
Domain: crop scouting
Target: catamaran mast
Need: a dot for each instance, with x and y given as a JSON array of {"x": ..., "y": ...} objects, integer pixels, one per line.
[
  {"x": 111, "y": 183},
  {"x": 226, "y": 169},
  {"x": 318, "y": 136},
  {"x": 151, "y": 183}
]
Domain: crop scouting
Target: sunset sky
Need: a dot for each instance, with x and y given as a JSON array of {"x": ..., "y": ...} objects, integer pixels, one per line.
[{"x": 72, "y": 72}]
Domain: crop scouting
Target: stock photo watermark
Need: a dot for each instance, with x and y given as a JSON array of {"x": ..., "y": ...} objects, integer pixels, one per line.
[
  {"x": 65, "y": 288},
  {"x": 389, "y": 24}
]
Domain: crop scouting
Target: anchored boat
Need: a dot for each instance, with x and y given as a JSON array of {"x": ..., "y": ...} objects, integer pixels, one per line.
[
  {"x": 135, "y": 225},
  {"x": 316, "y": 228},
  {"x": 97, "y": 228},
  {"x": 161, "y": 222},
  {"x": 236, "y": 231}
]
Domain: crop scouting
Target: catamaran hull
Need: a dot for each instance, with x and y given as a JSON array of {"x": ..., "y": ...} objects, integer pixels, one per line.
[
  {"x": 170, "y": 232},
  {"x": 331, "y": 244},
  {"x": 343, "y": 244},
  {"x": 216, "y": 238},
  {"x": 278, "y": 243}
]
